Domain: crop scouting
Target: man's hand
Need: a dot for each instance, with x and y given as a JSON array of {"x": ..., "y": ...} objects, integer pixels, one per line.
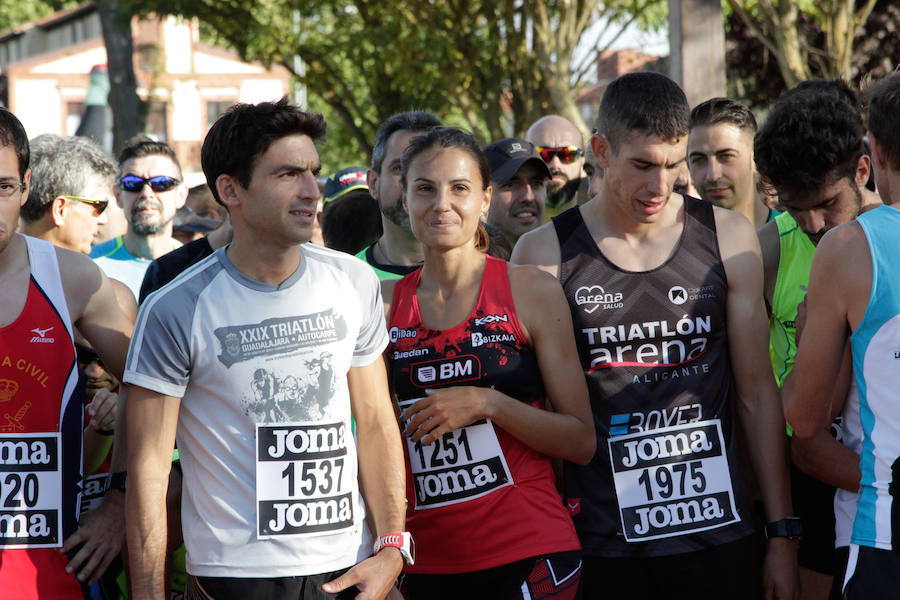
[
  {"x": 780, "y": 578},
  {"x": 102, "y": 532},
  {"x": 102, "y": 410},
  {"x": 373, "y": 577}
]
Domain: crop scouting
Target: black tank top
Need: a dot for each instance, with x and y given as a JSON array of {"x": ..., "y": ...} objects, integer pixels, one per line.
[{"x": 653, "y": 344}]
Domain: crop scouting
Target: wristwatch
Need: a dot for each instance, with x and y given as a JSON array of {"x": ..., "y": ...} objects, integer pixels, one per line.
[
  {"x": 789, "y": 527},
  {"x": 402, "y": 541}
]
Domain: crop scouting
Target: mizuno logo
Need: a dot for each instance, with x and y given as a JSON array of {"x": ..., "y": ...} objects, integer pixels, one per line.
[{"x": 41, "y": 332}]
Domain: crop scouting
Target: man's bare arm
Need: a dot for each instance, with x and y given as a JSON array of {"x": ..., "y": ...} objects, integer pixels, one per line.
[
  {"x": 149, "y": 460},
  {"x": 540, "y": 248},
  {"x": 758, "y": 403},
  {"x": 839, "y": 285},
  {"x": 382, "y": 478}
]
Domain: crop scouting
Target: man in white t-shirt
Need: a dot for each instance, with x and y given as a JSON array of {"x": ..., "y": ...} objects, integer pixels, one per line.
[{"x": 272, "y": 505}]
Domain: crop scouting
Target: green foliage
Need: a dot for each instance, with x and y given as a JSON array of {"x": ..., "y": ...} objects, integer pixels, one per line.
[
  {"x": 491, "y": 66},
  {"x": 18, "y": 12}
]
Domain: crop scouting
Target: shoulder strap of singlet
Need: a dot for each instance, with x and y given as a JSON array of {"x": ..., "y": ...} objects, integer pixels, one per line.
[
  {"x": 404, "y": 289},
  {"x": 45, "y": 271},
  {"x": 701, "y": 210},
  {"x": 566, "y": 223}
]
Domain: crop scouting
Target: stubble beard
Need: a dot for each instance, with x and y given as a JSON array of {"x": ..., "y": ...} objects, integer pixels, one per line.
[{"x": 397, "y": 215}]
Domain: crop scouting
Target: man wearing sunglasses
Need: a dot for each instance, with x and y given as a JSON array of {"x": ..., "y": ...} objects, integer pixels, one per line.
[
  {"x": 150, "y": 190},
  {"x": 561, "y": 145},
  {"x": 71, "y": 184}
]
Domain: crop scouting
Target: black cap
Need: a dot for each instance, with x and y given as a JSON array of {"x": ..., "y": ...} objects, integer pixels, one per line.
[
  {"x": 344, "y": 181},
  {"x": 508, "y": 155}
]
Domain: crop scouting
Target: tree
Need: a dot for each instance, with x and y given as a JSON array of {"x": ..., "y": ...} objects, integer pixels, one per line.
[
  {"x": 808, "y": 39},
  {"x": 128, "y": 116},
  {"x": 493, "y": 66}
]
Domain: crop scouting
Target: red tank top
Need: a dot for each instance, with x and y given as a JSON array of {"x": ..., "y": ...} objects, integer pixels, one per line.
[
  {"x": 40, "y": 438},
  {"x": 479, "y": 498}
]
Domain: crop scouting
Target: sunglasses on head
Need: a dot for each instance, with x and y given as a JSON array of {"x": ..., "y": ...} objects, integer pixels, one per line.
[
  {"x": 86, "y": 356},
  {"x": 160, "y": 183},
  {"x": 566, "y": 154},
  {"x": 98, "y": 205}
]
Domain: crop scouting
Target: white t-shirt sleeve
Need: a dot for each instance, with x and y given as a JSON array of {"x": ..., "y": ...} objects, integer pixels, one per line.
[
  {"x": 159, "y": 353},
  {"x": 373, "y": 337}
]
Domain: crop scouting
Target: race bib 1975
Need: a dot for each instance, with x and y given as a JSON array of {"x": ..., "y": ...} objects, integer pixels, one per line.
[
  {"x": 301, "y": 484},
  {"x": 672, "y": 481}
]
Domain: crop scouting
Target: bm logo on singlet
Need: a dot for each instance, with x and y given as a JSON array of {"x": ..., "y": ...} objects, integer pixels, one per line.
[{"x": 465, "y": 367}]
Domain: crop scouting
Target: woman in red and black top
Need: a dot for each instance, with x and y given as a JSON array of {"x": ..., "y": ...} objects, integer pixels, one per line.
[{"x": 484, "y": 367}]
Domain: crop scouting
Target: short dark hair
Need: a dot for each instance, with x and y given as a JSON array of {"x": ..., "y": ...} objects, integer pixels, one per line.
[
  {"x": 884, "y": 110},
  {"x": 723, "y": 110},
  {"x": 812, "y": 137},
  {"x": 143, "y": 145},
  {"x": 63, "y": 165},
  {"x": 643, "y": 102},
  {"x": 414, "y": 120},
  {"x": 244, "y": 132},
  {"x": 12, "y": 132},
  {"x": 450, "y": 137}
]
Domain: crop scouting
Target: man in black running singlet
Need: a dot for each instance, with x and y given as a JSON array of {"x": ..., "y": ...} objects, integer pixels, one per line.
[{"x": 666, "y": 298}]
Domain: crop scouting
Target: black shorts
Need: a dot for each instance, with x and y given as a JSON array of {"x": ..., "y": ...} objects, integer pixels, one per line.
[
  {"x": 264, "y": 588},
  {"x": 814, "y": 504},
  {"x": 549, "y": 577},
  {"x": 874, "y": 574},
  {"x": 732, "y": 571}
]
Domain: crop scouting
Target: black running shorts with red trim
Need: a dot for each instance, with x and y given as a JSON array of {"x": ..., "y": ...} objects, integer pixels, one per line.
[{"x": 550, "y": 577}]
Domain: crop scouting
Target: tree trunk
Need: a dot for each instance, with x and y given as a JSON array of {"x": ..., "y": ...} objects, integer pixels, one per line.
[{"x": 128, "y": 118}]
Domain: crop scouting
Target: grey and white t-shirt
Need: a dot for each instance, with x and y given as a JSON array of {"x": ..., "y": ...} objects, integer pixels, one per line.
[{"x": 264, "y": 430}]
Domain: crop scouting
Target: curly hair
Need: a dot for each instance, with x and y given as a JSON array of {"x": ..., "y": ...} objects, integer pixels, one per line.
[{"x": 812, "y": 137}]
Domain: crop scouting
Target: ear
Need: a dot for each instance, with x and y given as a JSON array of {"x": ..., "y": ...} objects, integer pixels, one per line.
[
  {"x": 372, "y": 182},
  {"x": 226, "y": 187},
  {"x": 863, "y": 168},
  {"x": 602, "y": 150},
  {"x": 58, "y": 211},
  {"x": 486, "y": 202}
]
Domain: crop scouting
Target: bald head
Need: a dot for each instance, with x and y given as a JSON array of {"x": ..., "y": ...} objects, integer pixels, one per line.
[{"x": 556, "y": 132}]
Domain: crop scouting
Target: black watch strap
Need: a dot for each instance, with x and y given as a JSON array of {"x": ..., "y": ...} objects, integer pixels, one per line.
[
  {"x": 789, "y": 527},
  {"x": 117, "y": 480}
]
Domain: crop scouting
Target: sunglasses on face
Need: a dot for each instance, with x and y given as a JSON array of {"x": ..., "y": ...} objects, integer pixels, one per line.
[
  {"x": 160, "y": 183},
  {"x": 567, "y": 154},
  {"x": 86, "y": 356},
  {"x": 98, "y": 205}
]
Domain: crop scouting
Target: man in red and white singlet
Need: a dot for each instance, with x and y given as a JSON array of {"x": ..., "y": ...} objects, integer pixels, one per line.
[{"x": 44, "y": 291}]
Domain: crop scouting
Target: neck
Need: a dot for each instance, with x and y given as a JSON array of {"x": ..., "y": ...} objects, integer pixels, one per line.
[
  {"x": 759, "y": 213},
  {"x": 150, "y": 246},
  {"x": 397, "y": 246},
  {"x": 263, "y": 262},
  {"x": 42, "y": 228},
  {"x": 448, "y": 270}
]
